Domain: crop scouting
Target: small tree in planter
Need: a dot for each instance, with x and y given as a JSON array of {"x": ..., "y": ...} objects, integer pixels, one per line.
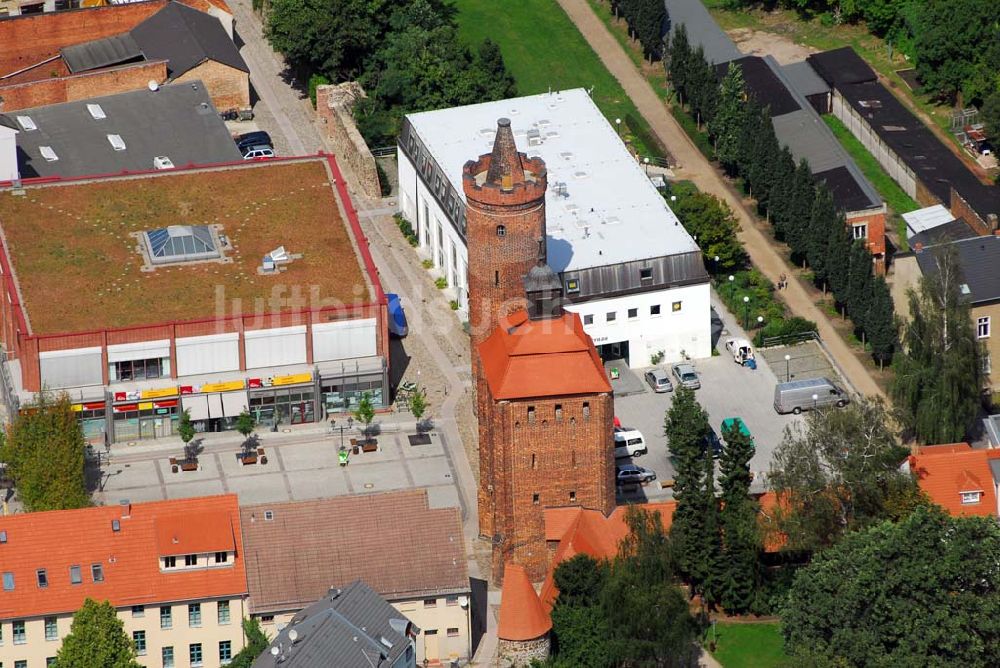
[
  {"x": 245, "y": 424},
  {"x": 365, "y": 413},
  {"x": 185, "y": 428},
  {"x": 418, "y": 406}
]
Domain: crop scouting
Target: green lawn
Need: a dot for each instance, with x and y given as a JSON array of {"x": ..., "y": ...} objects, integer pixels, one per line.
[
  {"x": 544, "y": 51},
  {"x": 749, "y": 645},
  {"x": 890, "y": 191}
]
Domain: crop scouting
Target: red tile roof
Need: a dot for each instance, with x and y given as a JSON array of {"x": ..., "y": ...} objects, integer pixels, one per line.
[
  {"x": 526, "y": 358},
  {"x": 522, "y": 616},
  {"x": 943, "y": 472},
  {"x": 194, "y": 533},
  {"x": 129, "y": 558},
  {"x": 310, "y": 546}
]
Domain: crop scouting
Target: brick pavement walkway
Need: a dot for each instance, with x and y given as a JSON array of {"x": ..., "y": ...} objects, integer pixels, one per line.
[{"x": 694, "y": 166}]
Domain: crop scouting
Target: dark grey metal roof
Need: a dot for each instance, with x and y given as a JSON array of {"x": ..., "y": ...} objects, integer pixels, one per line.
[
  {"x": 762, "y": 82},
  {"x": 847, "y": 194},
  {"x": 978, "y": 259},
  {"x": 9, "y": 122},
  {"x": 114, "y": 50},
  {"x": 841, "y": 66},
  {"x": 942, "y": 234},
  {"x": 177, "y": 121},
  {"x": 702, "y": 30},
  {"x": 348, "y": 628},
  {"x": 186, "y": 38},
  {"x": 804, "y": 78},
  {"x": 541, "y": 278}
]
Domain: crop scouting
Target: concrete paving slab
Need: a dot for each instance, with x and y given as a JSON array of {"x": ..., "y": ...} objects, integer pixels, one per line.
[
  {"x": 309, "y": 456},
  {"x": 134, "y": 474},
  {"x": 377, "y": 477},
  {"x": 430, "y": 471},
  {"x": 185, "y": 490},
  {"x": 443, "y": 496},
  {"x": 261, "y": 488},
  {"x": 134, "y": 494},
  {"x": 432, "y": 449},
  {"x": 319, "y": 484}
]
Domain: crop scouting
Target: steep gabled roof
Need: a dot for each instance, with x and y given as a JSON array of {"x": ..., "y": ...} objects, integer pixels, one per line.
[
  {"x": 186, "y": 38},
  {"x": 945, "y": 472},
  {"x": 128, "y": 557},
  {"x": 525, "y": 358},
  {"x": 522, "y": 616}
]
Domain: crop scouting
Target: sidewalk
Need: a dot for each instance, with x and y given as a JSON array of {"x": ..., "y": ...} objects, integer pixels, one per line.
[{"x": 694, "y": 166}]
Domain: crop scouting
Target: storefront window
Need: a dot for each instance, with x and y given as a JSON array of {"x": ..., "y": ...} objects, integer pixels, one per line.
[
  {"x": 156, "y": 367},
  {"x": 146, "y": 424},
  {"x": 93, "y": 422},
  {"x": 343, "y": 395},
  {"x": 283, "y": 406}
]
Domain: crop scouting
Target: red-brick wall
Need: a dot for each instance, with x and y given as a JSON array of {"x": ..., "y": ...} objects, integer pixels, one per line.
[
  {"x": 228, "y": 87},
  {"x": 565, "y": 460},
  {"x": 55, "y": 90},
  {"x": 26, "y": 40}
]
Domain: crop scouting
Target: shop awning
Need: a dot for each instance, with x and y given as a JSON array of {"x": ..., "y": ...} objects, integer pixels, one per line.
[
  {"x": 215, "y": 405},
  {"x": 197, "y": 404},
  {"x": 234, "y": 403}
]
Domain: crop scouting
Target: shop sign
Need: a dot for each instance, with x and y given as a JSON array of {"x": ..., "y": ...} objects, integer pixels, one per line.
[
  {"x": 161, "y": 411},
  {"x": 253, "y": 383},
  {"x": 146, "y": 406},
  {"x": 186, "y": 389},
  {"x": 600, "y": 339},
  {"x": 131, "y": 395},
  {"x": 294, "y": 379},
  {"x": 90, "y": 406},
  {"x": 165, "y": 404},
  {"x": 222, "y": 387},
  {"x": 156, "y": 394},
  {"x": 77, "y": 407},
  {"x": 124, "y": 408}
]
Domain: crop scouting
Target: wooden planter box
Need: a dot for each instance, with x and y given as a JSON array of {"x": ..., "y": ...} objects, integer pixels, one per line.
[
  {"x": 248, "y": 459},
  {"x": 189, "y": 466}
]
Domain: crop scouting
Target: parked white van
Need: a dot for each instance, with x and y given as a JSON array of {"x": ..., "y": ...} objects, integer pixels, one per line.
[
  {"x": 629, "y": 442},
  {"x": 802, "y": 395}
]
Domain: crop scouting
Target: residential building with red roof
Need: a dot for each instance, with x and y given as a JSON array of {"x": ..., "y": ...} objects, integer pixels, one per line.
[
  {"x": 544, "y": 404},
  {"x": 962, "y": 480},
  {"x": 174, "y": 570}
]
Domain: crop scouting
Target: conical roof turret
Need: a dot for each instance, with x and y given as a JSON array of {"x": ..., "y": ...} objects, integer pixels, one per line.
[{"x": 505, "y": 160}]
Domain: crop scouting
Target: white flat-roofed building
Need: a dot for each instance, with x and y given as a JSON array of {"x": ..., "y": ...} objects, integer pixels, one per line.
[{"x": 628, "y": 267}]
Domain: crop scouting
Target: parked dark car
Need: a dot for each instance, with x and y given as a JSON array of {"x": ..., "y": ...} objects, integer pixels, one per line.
[
  {"x": 397, "y": 317},
  {"x": 630, "y": 474},
  {"x": 248, "y": 139}
]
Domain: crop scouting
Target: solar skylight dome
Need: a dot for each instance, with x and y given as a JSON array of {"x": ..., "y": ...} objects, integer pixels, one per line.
[{"x": 180, "y": 243}]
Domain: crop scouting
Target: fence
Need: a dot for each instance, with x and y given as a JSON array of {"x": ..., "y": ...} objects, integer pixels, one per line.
[
  {"x": 7, "y": 392},
  {"x": 384, "y": 151},
  {"x": 788, "y": 339}
]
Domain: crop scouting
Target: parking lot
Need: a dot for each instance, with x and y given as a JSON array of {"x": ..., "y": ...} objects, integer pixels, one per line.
[{"x": 727, "y": 390}]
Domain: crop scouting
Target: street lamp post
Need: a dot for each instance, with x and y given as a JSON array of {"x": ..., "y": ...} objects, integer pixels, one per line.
[
  {"x": 715, "y": 267},
  {"x": 645, "y": 162},
  {"x": 815, "y": 399},
  {"x": 760, "y": 321},
  {"x": 788, "y": 377},
  {"x": 732, "y": 287},
  {"x": 746, "y": 312},
  {"x": 618, "y": 126}
]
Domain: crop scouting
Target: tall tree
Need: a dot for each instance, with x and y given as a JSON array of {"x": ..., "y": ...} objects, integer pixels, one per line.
[
  {"x": 729, "y": 117},
  {"x": 687, "y": 430},
  {"x": 800, "y": 207},
  {"x": 780, "y": 205},
  {"x": 96, "y": 638},
  {"x": 741, "y": 541},
  {"x": 838, "y": 259},
  {"x": 883, "y": 334},
  {"x": 817, "y": 239},
  {"x": 711, "y": 221},
  {"x": 990, "y": 114},
  {"x": 950, "y": 37},
  {"x": 923, "y": 592},
  {"x": 495, "y": 69},
  {"x": 859, "y": 284},
  {"x": 44, "y": 451},
  {"x": 938, "y": 376},
  {"x": 840, "y": 473},
  {"x": 678, "y": 63}
]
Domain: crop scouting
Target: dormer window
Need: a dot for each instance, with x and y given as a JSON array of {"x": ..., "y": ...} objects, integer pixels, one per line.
[
  {"x": 221, "y": 557},
  {"x": 170, "y": 562},
  {"x": 190, "y": 559},
  {"x": 969, "y": 498}
]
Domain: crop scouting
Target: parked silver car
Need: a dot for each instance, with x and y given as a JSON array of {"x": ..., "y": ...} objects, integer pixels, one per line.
[
  {"x": 686, "y": 376},
  {"x": 659, "y": 380},
  {"x": 631, "y": 474}
]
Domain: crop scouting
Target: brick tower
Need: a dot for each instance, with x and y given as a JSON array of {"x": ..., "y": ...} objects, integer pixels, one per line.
[{"x": 544, "y": 403}]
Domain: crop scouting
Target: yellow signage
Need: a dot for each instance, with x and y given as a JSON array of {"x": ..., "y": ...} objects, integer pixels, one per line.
[
  {"x": 222, "y": 387},
  {"x": 294, "y": 379},
  {"x": 146, "y": 406},
  {"x": 78, "y": 407},
  {"x": 158, "y": 394}
]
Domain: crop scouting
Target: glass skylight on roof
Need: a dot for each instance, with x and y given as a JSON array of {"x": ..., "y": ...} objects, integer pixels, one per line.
[
  {"x": 48, "y": 153},
  {"x": 180, "y": 243},
  {"x": 26, "y": 123},
  {"x": 96, "y": 111},
  {"x": 117, "y": 142}
]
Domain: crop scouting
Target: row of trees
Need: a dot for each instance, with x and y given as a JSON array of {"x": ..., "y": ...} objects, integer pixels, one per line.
[
  {"x": 716, "y": 540},
  {"x": 954, "y": 43},
  {"x": 801, "y": 211},
  {"x": 407, "y": 55},
  {"x": 647, "y": 21},
  {"x": 625, "y": 612}
]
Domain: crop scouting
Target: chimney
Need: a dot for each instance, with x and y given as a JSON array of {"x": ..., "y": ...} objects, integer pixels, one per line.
[
  {"x": 126, "y": 507},
  {"x": 917, "y": 247},
  {"x": 992, "y": 223}
]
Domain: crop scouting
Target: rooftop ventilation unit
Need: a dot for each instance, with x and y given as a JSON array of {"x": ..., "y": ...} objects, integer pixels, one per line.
[
  {"x": 48, "y": 153},
  {"x": 534, "y": 138},
  {"x": 117, "y": 142},
  {"x": 26, "y": 123},
  {"x": 96, "y": 111}
]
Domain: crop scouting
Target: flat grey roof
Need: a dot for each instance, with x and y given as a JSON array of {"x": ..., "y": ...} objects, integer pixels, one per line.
[
  {"x": 804, "y": 78},
  {"x": 177, "y": 121},
  {"x": 601, "y": 208},
  {"x": 702, "y": 30}
]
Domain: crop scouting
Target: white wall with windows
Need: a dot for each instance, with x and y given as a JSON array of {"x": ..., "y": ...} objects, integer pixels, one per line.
[{"x": 676, "y": 321}]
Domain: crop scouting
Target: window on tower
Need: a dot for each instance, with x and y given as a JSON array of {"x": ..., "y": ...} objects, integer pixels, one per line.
[{"x": 501, "y": 231}]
